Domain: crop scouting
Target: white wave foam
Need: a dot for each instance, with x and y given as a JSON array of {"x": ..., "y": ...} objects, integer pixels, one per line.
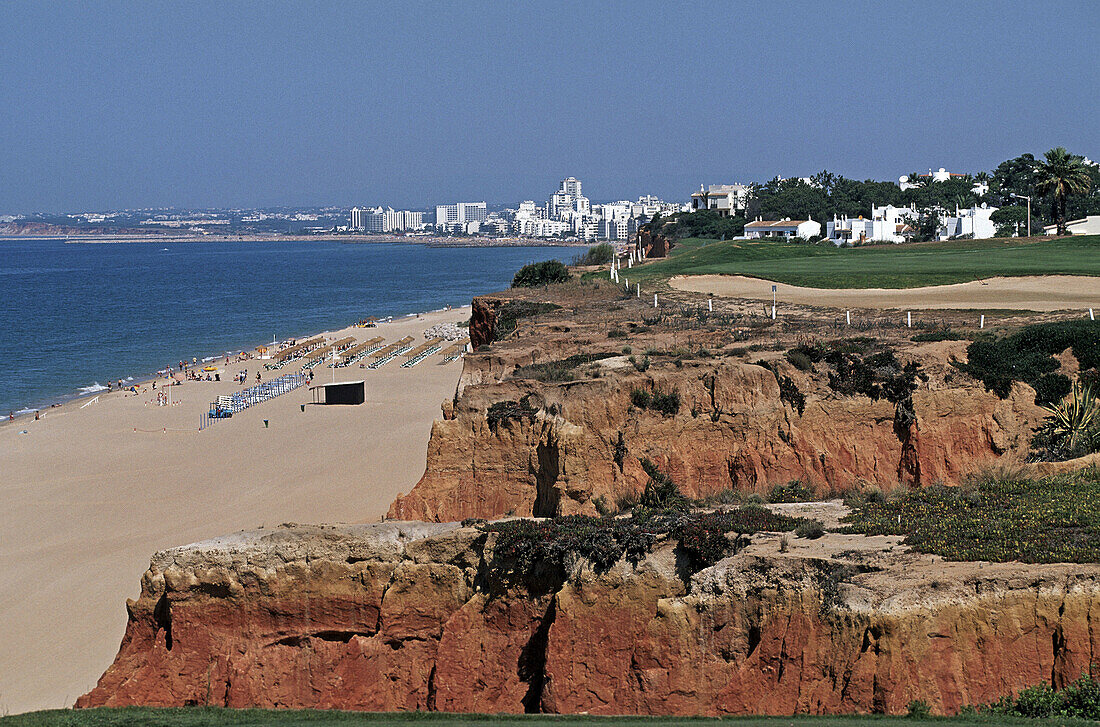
[
  {"x": 26, "y": 411},
  {"x": 92, "y": 389}
]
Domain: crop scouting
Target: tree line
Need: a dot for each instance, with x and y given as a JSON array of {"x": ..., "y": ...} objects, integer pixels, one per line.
[{"x": 1062, "y": 186}]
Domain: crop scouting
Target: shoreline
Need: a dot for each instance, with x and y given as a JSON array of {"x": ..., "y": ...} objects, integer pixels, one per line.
[
  {"x": 427, "y": 240},
  {"x": 93, "y": 491},
  {"x": 85, "y": 393}
]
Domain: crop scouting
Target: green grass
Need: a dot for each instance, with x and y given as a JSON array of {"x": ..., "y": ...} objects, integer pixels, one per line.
[
  {"x": 206, "y": 716},
  {"x": 887, "y": 266}
]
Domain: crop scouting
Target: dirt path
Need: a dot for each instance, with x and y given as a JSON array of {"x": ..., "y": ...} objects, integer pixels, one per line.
[{"x": 1037, "y": 293}]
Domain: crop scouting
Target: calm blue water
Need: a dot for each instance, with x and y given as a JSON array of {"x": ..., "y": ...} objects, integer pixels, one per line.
[{"x": 73, "y": 315}]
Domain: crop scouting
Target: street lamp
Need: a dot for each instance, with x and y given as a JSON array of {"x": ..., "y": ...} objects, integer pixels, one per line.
[{"x": 1020, "y": 196}]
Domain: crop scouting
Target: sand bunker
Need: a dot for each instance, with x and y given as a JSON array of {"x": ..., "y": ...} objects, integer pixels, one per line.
[{"x": 1036, "y": 293}]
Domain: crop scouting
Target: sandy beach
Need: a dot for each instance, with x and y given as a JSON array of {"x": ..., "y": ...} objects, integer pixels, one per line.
[
  {"x": 88, "y": 499},
  {"x": 1036, "y": 293}
]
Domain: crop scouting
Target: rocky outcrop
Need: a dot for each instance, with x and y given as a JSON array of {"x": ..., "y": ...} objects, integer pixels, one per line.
[
  {"x": 403, "y": 616},
  {"x": 733, "y": 430}
]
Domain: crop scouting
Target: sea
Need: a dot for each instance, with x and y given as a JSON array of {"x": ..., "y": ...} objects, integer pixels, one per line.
[{"x": 75, "y": 316}]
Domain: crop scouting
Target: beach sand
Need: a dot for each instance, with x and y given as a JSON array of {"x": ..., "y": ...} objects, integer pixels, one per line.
[
  {"x": 1036, "y": 293},
  {"x": 87, "y": 500}
]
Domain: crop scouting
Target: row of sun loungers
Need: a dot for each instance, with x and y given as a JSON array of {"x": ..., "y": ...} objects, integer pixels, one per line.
[
  {"x": 353, "y": 354},
  {"x": 454, "y": 351},
  {"x": 296, "y": 351},
  {"x": 228, "y": 405},
  {"x": 319, "y": 355},
  {"x": 422, "y": 352},
  {"x": 390, "y": 352}
]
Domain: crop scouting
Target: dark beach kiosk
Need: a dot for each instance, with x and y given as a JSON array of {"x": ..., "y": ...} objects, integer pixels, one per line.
[{"x": 339, "y": 392}]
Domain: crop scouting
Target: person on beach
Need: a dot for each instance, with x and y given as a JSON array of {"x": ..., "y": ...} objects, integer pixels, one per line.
[
  {"x": 257, "y": 377},
  {"x": 108, "y": 386},
  {"x": 11, "y": 416}
]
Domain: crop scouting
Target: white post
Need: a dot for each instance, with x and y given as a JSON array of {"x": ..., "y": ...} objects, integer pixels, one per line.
[
  {"x": 773, "y": 311},
  {"x": 627, "y": 283},
  {"x": 654, "y": 300},
  {"x": 908, "y": 320},
  {"x": 630, "y": 261},
  {"x": 1091, "y": 316},
  {"x": 710, "y": 305},
  {"x": 639, "y": 290},
  {"x": 981, "y": 324},
  {"x": 848, "y": 316}
]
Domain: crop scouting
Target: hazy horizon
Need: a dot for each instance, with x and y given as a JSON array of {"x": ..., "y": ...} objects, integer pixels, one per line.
[{"x": 283, "y": 104}]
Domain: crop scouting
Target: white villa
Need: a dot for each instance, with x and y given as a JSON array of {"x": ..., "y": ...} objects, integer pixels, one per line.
[
  {"x": 782, "y": 228},
  {"x": 973, "y": 222},
  {"x": 725, "y": 199},
  {"x": 886, "y": 224},
  {"x": 1085, "y": 226}
]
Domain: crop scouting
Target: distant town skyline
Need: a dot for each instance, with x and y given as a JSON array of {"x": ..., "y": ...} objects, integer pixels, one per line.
[{"x": 206, "y": 105}]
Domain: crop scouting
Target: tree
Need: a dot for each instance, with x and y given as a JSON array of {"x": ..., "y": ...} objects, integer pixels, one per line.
[{"x": 1062, "y": 175}]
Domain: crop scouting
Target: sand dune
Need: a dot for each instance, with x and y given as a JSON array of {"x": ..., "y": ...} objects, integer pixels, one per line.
[
  {"x": 87, "y": 499},
  {"x": 1037, "y": 293}
]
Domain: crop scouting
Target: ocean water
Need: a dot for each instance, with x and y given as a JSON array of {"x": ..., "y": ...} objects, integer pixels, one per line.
[{"x": 74, "y": 316}]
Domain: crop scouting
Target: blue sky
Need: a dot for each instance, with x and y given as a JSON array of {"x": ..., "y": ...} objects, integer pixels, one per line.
[{"x": 109, "y": 105}]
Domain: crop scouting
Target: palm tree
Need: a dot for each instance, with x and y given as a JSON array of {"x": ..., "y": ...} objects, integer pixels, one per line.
[{"x": 1060, "y": 176}]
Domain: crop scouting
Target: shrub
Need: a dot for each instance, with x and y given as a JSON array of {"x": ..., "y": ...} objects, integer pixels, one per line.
[
  {"x": 800, "y": 360},
  {"x": 1080, "y": 700},
  {"x": 810, "y": 529},
  {"x": 938, "y": 334},
  {"x": 918, "y": 709},
  {"x": 1028, "y": 356},
  {"x": 560, "y": 370},
  {"x": 665, "y": 402},
  {"x": 529, "y": 548},
  {"x": 544, "y": 273},
  {"x": 1071, "y": 428},
  {"x": 793, "y": 491},
  {"x": 627, "y": 350},
  {"x": 790, "y": 393},
  {"x": 617, "y": 333},
  {"x": 601, "y": 254},
  {"x": 509, "y": 315},
  {"x": 503, "y": 411},
  {"x": 661, "y": 493}
]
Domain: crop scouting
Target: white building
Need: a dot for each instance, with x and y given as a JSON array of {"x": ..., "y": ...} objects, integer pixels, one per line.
[
  {"x": 1085, "y": 226},
  {"x": 940, "y": 175},
  {"x": 461, "y": 213},
  {"x": 379, "y": 219},
  {"x": 973, "y": 223},
  {"x": 788, "y": 228},
  {"x": 886, "y": 224},
  {"x": 725, "y": 199},
  {"x": 566, "y": 199}
]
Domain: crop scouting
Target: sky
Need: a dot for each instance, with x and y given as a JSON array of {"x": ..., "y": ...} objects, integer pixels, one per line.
[{"x": 109, "y": 105}]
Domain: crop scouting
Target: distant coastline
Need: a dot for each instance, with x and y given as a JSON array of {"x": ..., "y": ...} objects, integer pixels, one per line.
[{"x": 101, "y": 238}]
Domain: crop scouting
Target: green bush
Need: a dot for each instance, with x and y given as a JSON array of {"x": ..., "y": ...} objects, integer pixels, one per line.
[
  {"x": 661, "y": 493},
  {"x": 793, "y": 491},
  {"x": 1028, "y": 356},
  {"x": 800, "y": 360},
  {"x": 810, "y": 529},
  {"x": 617, "y": 333},
  {"x": 544, "y": 273},
  {"x": 1080, "y": 700},
  {"x": 601, "y": 254},
  {"x": 667, "y": 403}
]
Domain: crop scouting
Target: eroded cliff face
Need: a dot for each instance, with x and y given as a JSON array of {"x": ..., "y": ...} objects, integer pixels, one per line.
[
  {"x": 402, "y": 616},
  {"x": 733, "y": 430}
]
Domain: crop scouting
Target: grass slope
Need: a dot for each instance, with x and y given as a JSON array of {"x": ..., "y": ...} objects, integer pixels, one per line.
[
  {"x": 205, "y": 716},
  {"x": 884, "y": 266}
]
